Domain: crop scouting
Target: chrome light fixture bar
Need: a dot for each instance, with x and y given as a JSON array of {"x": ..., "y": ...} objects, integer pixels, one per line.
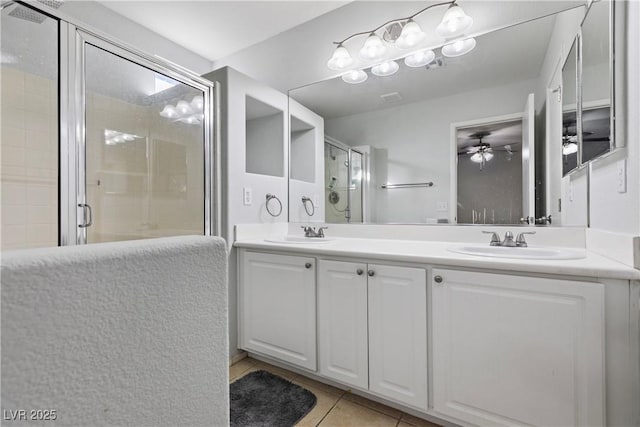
[{"x": 454, "y": 23}]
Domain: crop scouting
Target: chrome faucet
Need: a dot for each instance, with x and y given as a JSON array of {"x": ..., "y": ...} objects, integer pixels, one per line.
[
  {"x": 311, "y": 231},
  {"x": 508, "y": 241}
]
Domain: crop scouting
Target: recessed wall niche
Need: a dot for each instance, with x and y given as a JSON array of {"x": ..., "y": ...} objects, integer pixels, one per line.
[
  {"x": 303, "y": 150},
  {"x": 264, "y": 138}
]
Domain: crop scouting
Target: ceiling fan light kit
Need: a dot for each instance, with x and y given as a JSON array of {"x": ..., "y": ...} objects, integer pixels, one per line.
[{"x": 409, "y": 40}]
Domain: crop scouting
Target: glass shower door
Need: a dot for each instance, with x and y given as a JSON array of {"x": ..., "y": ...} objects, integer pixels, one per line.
[{"x": 144, "y": 152}]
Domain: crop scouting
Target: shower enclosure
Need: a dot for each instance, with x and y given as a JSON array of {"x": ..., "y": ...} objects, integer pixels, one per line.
[
  {"x": 100, "y": 142},
  {"x": 343, "y": 171}
]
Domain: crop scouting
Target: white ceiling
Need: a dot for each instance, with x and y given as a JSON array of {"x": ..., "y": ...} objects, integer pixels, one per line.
[{"x": 215, "y": 29}]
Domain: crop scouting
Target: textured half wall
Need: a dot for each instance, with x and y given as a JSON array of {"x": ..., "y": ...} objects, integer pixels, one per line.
[{"x": 128, "y": 333}]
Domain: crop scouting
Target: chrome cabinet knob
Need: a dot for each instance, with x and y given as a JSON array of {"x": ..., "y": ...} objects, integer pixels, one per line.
[
  {"x": 359, "y": 272},
  {"x": 371, "y": 273},
  {"x": 308, "y": 265},
  {"x": 438, "y": 279}
]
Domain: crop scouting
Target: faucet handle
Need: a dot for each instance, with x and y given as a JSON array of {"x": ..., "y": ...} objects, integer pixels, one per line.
[
  {"x": 495, "y": 239},
  {"x": 520, "y": 241},
  {"x": 321, "y": 231}
]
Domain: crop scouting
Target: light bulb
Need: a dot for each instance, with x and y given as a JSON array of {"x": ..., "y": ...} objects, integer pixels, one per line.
[
  {"x": 355, "y": 77},
  {"x": 373, "y": 48},
  {"x": 169, "y": 111},
  {"x": 454, "y": 22},
  {"x": 420, "y": 58},
  {"x": 118, "y": 139},
  {"x": 184, "y": 108},
  {"x": 387, "y": 68},
  {"x": 197, "y": 103},
  {"x": 128, "y": 137},
  {"x": 569, "y": 148},
  {"x": 108, "y": 133},
  {"x": 340, "y": 59},
  {"x": 410, "y": 36},
  {"x": 459, "y": 47}
]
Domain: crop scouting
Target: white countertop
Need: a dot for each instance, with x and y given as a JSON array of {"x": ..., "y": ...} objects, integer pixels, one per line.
[{"x": 437, "y": 254}]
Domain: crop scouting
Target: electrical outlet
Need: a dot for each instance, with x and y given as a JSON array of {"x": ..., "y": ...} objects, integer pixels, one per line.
[
  {"x": 622, "y": 176},
  {"x": 247, "y": 196},
  {"x": 441, "y": 206}
]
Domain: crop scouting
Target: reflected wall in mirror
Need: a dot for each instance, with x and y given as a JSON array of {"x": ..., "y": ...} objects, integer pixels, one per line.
[
  {"x": 570, "y": 140},
  {"x": 414, "y": 130},
  {"x": 597, "y": 136}
]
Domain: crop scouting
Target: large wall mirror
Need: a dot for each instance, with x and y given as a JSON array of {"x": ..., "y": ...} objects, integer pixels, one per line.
[{"x": 460, "y": 140}]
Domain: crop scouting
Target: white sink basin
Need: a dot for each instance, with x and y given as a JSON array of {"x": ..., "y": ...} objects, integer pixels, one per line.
[
  {"x": 520, "y": 253},
  {"x": 298, "y": 239}
]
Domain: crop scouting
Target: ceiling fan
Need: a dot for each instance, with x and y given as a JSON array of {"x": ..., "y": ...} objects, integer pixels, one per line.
[{"x": 482, "y": 152}]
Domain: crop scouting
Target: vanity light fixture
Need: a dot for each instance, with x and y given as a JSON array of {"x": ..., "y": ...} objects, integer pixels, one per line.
[
  {"x": 114, "y": 137},
  {"x": 185, "y": 112},
  {"x": 340, "y": 60},
  {"x": 387, "y": 68},
  {"x": 410, "y": 36},
  {"x": 420, "y": 58},
  {"x": 355, "y": 76},
  {"x": 373, "y": 48},
  {"x": 454, "y": 23},
  {"x": 459, "y": 47}
]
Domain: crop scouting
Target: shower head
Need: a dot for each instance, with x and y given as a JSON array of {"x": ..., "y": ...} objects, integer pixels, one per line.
[{"x": 31, "y": 15}]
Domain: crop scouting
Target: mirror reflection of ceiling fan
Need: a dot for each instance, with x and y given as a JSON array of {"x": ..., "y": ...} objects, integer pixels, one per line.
[
  {"x": 482, "y": 152},
  {"x": 570, "y": 138}
]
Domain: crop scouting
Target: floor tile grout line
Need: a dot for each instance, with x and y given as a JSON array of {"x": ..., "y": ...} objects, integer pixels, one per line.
[{"x": 330, "y": 409}]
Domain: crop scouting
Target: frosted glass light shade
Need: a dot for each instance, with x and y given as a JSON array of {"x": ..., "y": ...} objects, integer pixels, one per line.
[
  {"x": 169, "y": 111},
  {"x": 373, "y": 48},
  {"x": 197, "y": 103},
  {"x": 355, "y": 77},
  {"x": 184, "y": 108},
  {"x": 454, "y": 22},
  {"x": 410, "y": 36},
  {"x": 340, "y": 60},
  {"x": 569, "y": 148},
  {"x": 387, "y": 68},
  {"x": 479, "y": 157},
  {"x": 420, "y": 58},
  {"x": 459, "y": 47}
]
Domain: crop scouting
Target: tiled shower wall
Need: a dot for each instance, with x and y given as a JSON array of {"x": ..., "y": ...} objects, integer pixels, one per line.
[{"x": 29, "y": 165}]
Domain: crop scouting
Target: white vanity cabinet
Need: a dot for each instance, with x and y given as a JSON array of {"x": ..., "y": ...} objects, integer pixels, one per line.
[
  {"x": 398, "y": 333},
  {"x": 372, "y": 328},
  {"x": 342, "y": 322},
  {"x": 513, "y": 350},
  {"x": 278, "y": 307}
]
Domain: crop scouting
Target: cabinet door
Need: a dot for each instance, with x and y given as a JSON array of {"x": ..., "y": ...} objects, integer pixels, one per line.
[
  {"x": 278, "y": 307},
  {"x": 342, "y": 322},
  {"x": 517, "y": 350},
  {"x": 398, "y": 334}
]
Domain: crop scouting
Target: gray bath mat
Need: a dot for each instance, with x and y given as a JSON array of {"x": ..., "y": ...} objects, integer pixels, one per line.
[{"x": 261, "y": 399}]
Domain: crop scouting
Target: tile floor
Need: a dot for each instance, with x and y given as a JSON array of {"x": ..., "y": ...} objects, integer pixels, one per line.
[{"x": 335, "y": 407}]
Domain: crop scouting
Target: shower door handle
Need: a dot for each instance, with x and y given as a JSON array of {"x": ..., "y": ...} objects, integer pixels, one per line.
[{"x": 88, "y": 215}]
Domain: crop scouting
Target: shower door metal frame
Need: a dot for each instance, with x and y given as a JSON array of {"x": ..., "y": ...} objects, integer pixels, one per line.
[{"x": 73, "y": 36}]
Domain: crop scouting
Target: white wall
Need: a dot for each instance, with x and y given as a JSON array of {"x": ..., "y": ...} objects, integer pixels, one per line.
[
  {"x": 413, "y": 144},
  {"x": 233, "y": 90},
  {"x": 611, "y": 210},
  {"x": 121, "y": 28}
]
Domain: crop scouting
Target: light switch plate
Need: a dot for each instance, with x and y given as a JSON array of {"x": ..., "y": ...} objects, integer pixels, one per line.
[
  {"x": 247, "y": 196},
  {"x": 441, "y": 206}
]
